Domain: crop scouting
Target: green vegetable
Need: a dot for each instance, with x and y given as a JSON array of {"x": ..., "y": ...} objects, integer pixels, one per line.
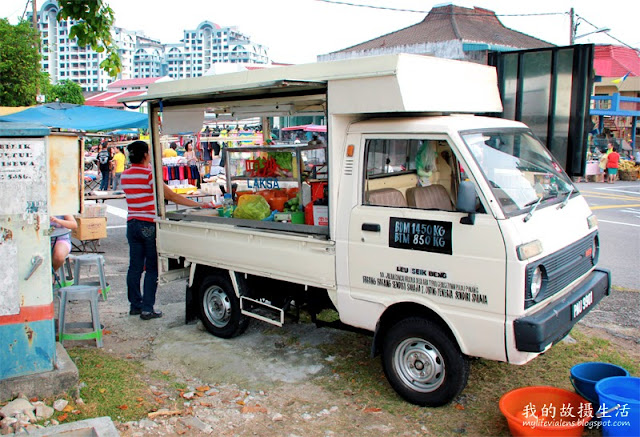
[
  {"x": 255, "y": 209},
  {"x": 283, "y": 159}
]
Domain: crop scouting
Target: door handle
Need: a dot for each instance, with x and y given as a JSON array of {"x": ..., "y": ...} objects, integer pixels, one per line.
[{"x": 371, "y": 227}]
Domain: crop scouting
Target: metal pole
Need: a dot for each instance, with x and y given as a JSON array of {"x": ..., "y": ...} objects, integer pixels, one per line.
[
  {"x": 34, "y": 20},
  {"x": 572, "y": 30},
  {"x": 34, "y": 16}
]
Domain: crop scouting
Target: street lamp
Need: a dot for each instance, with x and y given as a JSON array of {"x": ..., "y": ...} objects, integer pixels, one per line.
[{"x": 604, "y": 29}]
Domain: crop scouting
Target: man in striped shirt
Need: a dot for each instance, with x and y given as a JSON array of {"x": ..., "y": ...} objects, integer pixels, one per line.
[{"x": 137, "y": 184}]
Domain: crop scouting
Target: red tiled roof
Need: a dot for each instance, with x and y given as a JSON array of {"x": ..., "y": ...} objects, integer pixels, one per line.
[
  {"x": 110, "y": 98},
  {"x": 138, "y": 81},
  {"x": 450, "y": 22},
  {"x": 616, "y": 61}
]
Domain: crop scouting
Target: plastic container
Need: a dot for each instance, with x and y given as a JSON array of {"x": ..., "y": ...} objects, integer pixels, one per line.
[
  {"x": 308, "y": 214},
  {"x": 584, "y": 377},
  {"x": 619, "y": 400},
  {"x": 277, "y": 203},
  {"x": 227, "y": 205},
  {"x": 297, "y": 217},
  {"x": 524, "y": 409}
]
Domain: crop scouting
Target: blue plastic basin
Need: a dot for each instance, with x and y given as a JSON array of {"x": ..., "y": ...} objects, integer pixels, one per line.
[{"x": 585, "y": 376}]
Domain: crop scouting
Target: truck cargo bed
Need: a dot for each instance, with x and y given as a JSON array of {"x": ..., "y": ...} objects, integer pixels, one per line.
[{"x": 238, "y": 245}]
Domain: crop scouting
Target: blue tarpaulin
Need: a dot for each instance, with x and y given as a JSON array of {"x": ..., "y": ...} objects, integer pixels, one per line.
[{"x": 79, "y": 117}]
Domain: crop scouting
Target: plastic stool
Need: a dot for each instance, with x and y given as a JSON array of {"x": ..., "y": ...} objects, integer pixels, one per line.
[
  {"x": 79, "y": 293},
  {"x": 88, "y": 260},
  {"x": 64, "y": 275}
]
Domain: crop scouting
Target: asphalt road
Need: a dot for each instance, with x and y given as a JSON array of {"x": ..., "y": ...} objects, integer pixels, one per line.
[{"x": 617, "y": 207}]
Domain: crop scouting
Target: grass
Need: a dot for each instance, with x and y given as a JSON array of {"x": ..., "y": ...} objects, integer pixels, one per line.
[
  {"x": 112, "y": 387},
  {"x": 476, "y": 411}
]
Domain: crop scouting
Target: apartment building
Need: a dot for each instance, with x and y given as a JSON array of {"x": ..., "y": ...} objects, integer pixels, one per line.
[{"x": 141, "y": 56}]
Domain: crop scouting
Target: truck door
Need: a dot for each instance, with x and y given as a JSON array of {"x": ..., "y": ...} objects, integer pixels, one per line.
[{"x": 407, "y": 242}]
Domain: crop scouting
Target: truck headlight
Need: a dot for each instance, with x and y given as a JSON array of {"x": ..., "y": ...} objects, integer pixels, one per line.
[
  {"x": 595, "y": 250},
  {"x": 529, "y": 250},
  {"x": 536, "y": 282}
]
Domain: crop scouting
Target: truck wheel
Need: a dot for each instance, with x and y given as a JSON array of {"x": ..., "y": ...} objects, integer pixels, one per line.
[
  {"x": 422, "y": 363},
  {"x": 220, "y": 308}
]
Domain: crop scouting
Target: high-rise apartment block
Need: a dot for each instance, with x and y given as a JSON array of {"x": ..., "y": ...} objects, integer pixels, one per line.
[{"x": 141, "y": 56}]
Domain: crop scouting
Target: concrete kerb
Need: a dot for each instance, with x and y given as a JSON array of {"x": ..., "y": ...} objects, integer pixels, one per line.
[
  {"x": 97, "y": 427},
  {"x": 61, "y": 379}
]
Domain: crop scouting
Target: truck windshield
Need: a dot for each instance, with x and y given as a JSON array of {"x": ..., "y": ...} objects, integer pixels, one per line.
[{"x": 519, "y": 169}]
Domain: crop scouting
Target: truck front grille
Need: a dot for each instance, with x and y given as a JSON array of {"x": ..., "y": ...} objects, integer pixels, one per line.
[{"x": 560, "y": 269}]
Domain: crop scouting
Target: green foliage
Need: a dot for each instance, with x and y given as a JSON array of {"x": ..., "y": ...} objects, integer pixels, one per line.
[
  {"x": 93, "y": 28},
  {"x": 19, "y": 64},
  {"x": 66, "y": 92}
]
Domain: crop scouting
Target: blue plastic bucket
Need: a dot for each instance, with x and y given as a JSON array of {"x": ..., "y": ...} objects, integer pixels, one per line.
[
  {"x": 619, "y": 405},
  {"x": 585, "y": 376}
]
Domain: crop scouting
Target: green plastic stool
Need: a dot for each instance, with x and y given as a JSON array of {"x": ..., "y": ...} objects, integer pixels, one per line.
[
  {"x": 75, "y": 293},
  {"x": 64, "y": 275}
]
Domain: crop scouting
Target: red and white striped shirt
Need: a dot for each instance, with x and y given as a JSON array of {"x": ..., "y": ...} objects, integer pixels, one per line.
[{"x": 137, "y": 184}]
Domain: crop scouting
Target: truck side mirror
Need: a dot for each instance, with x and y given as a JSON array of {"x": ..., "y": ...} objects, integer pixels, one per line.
[{"x": 467, "y": 202}]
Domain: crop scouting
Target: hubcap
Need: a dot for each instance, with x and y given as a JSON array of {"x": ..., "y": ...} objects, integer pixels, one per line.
[
  {"x": 419, "y": 365},
  {"x": 217, "y": 306}
]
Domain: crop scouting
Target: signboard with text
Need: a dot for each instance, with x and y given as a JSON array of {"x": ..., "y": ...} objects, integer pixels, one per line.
[{"x": 424, "y": 235}]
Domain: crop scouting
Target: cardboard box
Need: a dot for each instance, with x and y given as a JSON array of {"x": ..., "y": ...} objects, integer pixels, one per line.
[{"x": 92, "y": 228}]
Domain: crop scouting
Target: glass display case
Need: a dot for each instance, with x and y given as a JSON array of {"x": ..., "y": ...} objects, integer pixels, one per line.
[{"x": 257, "y": 168}]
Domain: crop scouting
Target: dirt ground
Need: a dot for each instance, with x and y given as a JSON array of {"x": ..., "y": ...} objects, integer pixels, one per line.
[{"x": 260, "y": 383}]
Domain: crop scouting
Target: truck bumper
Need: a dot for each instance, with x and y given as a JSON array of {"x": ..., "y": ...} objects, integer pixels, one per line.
[{"x": 535, "y": 332}]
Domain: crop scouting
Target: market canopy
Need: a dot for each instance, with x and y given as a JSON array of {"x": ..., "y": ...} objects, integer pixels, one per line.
[
  {"x": 79, "y": 117},
  {"x": 307, "y": 128}
]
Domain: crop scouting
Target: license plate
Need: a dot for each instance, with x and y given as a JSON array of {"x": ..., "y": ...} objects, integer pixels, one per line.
[{"x": 581, "y": 305}]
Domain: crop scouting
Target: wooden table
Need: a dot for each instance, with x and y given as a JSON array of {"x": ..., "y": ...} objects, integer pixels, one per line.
[
  {"x": 195, "y": 197},
  {"x": 104, "y": 197}
]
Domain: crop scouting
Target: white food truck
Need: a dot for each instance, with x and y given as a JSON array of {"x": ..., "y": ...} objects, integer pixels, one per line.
[{"x": 450, "y": 235}]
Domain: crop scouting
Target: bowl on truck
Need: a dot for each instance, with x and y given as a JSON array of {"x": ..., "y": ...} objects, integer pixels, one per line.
[{"x": 449, "y": 235}]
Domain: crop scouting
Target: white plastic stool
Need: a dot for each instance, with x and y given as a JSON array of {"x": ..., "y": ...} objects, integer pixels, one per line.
[
  {"x": 79, "y": 293},
  {"x": 89, "y": 260}
]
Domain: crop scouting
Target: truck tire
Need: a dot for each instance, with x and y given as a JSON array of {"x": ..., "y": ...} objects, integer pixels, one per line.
[
  {"x": 423, "y": 363},
  {"x": 219, "y": 307}
]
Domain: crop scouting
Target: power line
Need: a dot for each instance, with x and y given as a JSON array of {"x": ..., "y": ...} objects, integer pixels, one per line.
[
  {"x": 431, "y": 12},
  {"x": 25, "y": 9},
  {"x": 606, "y": 33}
]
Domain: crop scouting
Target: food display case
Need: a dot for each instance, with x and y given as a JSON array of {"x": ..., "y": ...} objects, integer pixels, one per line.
[
  {"x": 273, "y": 167},
  {"x": 286, "y": 176}
]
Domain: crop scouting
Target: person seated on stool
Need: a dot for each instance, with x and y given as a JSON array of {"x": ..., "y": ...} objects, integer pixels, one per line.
[{"x": 62, "y": 245}]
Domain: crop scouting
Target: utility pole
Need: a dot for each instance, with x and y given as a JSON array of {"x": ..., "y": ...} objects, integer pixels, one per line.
[
  {"x": 572, "y": 30},
  {"x": 34, "y": 15},
  {"x": 34, "y": 20}
]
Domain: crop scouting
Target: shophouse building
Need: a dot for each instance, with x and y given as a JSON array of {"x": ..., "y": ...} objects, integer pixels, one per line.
[
  {"x": 141, "y": 56},
  {"x": 448, "y": 31}
]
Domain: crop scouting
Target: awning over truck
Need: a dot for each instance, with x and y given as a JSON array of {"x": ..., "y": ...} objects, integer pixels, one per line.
[{"x": 376, "y": 84}]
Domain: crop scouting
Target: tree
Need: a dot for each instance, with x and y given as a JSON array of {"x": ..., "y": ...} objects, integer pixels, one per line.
[
  {"x": 19, "y": 64},
  {"x": 93, "y": 28},
  {"x": 66, "y": 92}
]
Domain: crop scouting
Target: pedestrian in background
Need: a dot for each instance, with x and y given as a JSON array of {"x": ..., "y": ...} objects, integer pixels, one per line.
[
  {"x": 104, "y": 161},
  {"x": 137, "y": 183},
  {"x": 170, "y": 152},
  {"x": 613, "y": 158},
  {"x": 119, "y": 160}
]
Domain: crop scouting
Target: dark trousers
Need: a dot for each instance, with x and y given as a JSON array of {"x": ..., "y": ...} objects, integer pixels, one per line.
[
  {"x": 142, "y": 257},
  {"x": 104, "y": 183}
]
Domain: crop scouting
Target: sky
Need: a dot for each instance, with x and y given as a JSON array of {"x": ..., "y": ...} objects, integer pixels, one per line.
[{"x": 296, "y": 31}]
